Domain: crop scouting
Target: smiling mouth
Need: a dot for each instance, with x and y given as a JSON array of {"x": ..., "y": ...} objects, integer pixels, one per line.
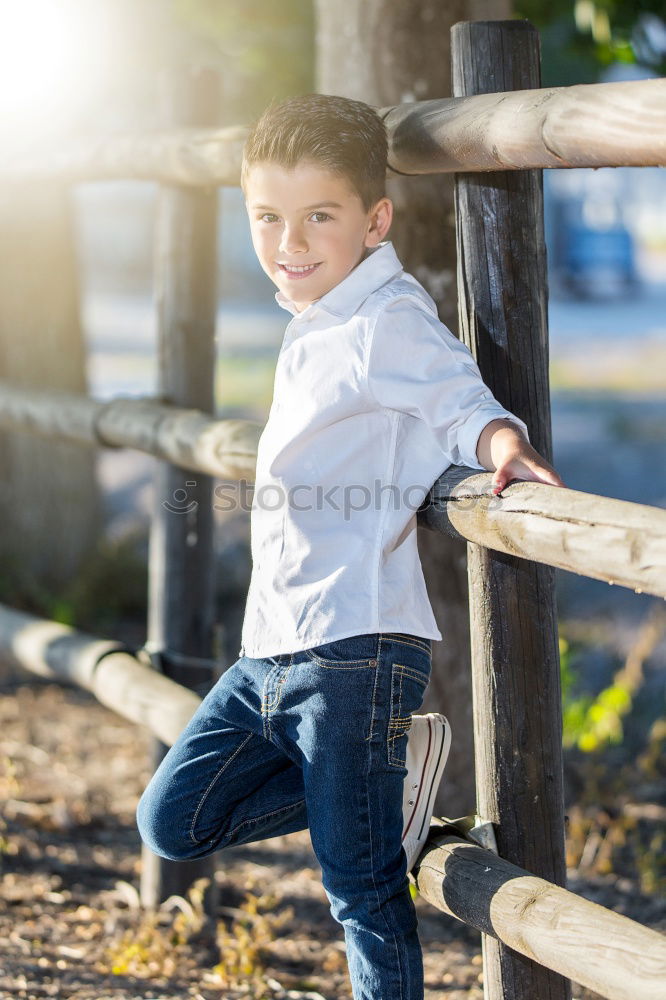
[{"x": 298, "y": 272}]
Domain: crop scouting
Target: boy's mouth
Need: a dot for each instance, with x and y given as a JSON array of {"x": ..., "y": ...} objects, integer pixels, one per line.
[{"x": 297, "y": 272}]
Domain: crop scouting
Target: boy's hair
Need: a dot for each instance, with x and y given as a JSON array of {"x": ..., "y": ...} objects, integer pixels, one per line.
[{"x": 344, "y": 136}]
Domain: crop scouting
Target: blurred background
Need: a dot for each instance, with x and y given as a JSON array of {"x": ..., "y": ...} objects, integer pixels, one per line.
[{"x": 77, "y": 311}]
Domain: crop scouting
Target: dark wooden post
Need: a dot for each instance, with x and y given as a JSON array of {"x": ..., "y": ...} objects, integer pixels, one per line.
[
  {"x": 181, "y": 566},
  {"x": 502, "y": 288}
]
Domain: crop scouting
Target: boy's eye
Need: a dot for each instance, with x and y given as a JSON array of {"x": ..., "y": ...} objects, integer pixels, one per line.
[
  {"x": 268, "y": 217},
  {"x": 320, "y": 216}
]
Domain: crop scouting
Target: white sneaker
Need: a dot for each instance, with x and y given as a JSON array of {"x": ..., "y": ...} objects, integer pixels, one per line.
[{"x": 428, "y": 746}]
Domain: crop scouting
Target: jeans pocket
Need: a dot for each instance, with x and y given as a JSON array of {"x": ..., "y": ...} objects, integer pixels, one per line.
[
  {"x": 408, "y": 685},
  {"x": 351, "y": 653}
]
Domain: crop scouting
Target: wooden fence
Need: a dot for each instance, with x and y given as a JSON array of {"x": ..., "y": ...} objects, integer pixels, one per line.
[
  {"x": 496, "y": 134},
  {"x": 622, "y": 124}
]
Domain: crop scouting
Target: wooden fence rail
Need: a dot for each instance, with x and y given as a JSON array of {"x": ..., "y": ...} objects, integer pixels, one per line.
[
  {"x": 104, "y": 667},
  {"x": 612, "y": 540},
  {"x": 617, "y": 541},
  {"x": 616, "y": 957},
  {"x": 185, "y": 437},
  {"x": 586, "y": 125}
]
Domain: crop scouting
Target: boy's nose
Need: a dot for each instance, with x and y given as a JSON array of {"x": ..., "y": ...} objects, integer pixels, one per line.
[{"x": 293, "y": 240}]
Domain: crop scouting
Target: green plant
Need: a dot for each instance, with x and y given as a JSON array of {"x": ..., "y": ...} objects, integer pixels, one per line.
[
  {"x": 591, "y": 722},
  {"x": 110, "y": 585},
  {"x": 243, "y": 944},
  {"x": 161, "y": 941},
  {"x": 154, "y": 947},
  {"x": 580, "y": 37}
]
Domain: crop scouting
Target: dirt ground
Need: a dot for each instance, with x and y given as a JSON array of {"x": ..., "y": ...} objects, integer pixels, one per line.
[{"x": 71, "y": 926}]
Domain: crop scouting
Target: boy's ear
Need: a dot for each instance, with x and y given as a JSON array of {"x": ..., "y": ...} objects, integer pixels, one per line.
[{"x": 380, "y": 220}]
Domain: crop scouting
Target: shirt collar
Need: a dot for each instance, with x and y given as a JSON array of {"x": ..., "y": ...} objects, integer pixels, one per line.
[{"x": 379, "y": 266}]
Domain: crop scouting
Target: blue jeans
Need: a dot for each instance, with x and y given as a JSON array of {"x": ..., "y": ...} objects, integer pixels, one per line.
[{"x": 314, "y": 739}]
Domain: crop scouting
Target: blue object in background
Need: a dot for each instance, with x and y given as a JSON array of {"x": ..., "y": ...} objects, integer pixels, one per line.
[
  {"x": 591, "y": 249},
  {"x": 598, "y": 262}
]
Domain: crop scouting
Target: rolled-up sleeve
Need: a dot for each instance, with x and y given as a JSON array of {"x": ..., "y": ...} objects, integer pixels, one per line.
[{"x": 415, "y": 365}]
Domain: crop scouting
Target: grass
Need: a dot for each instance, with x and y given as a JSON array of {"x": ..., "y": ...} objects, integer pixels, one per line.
[
  {"x": 614, "y": 371},
  {"x": 245, "y": 382},
  {"x": 248, "y": 381}
]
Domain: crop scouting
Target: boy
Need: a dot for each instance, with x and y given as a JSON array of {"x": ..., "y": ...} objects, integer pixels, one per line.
[{"x": 313, "y": 725}]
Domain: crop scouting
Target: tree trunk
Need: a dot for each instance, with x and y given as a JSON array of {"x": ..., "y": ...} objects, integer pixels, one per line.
[
  {"x": 385, "y": 52},
  {"x": 49, "y": 501}
]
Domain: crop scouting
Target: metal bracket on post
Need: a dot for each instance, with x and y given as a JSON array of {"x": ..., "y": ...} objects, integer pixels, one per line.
[
  {"x": 151, "y": 656},
  {"x": 472, "y": 827}
]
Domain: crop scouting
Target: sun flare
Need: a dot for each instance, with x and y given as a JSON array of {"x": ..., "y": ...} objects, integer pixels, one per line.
[{"x": 43, "y": 58}]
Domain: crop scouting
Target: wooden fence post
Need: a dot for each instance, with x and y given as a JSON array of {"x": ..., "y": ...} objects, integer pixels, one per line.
[
  {"x": 181, "y": 564},
  {"x": 502, "y": 288}
]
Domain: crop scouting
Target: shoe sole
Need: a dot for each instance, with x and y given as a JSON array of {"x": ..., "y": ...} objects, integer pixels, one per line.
[{"x": 439, "y": 744}]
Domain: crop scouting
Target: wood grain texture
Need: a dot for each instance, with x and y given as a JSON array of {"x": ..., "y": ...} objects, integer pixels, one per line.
[
  {"x": 515, "y": 658},
  {"x": 586, "y": 125},
  {"x": 603, "y": 951},
  {"x": 613, "y": 540}
]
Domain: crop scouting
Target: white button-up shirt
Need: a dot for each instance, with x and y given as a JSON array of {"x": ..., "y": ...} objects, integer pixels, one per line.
[{"x": 373, "y": 399}]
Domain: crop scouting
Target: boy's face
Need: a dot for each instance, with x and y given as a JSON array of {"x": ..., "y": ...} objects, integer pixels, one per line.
[{"x": 309, "y": 228}]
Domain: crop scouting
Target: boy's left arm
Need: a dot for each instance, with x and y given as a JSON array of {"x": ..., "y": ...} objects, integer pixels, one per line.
[{"x": 503, "y": 449}]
